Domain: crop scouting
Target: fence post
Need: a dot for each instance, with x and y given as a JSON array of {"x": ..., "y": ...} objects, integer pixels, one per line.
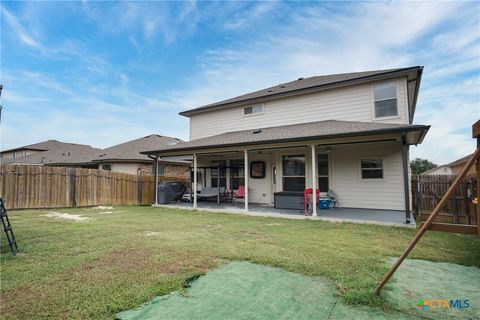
[
  {"x": 139, "y": 190},
  {"x": 94, "y": 188},
  {"x": 477, "y": 167},
  {"x": 73, "y": 187}
]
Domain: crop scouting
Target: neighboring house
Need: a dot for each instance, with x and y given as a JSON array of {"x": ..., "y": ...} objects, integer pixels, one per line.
[
  {"x": 52, "y": 152},
  {"x": 444, "y": 170},
  {"x": 452, "y": 168},
  {"x": 347, "y": 132},
  {"x": 126, "y": 157}
]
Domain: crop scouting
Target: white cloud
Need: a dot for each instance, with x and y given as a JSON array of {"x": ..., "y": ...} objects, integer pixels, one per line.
[
  {"x": 22, "y": 34},
  {"x": 102, "y": 106},
  {"x": 369, "y": 36}
]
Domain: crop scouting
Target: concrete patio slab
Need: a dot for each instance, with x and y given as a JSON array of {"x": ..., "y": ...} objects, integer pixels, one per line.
[{"x": 350, "y": 215}]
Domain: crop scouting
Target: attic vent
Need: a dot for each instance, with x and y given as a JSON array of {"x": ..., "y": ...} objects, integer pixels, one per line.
[
  {"x": 269, "y": 90},
  {"x": 300, "y": 79},
  {"x": 282, "y": 86},
  {"x": 257, "y": 131}
]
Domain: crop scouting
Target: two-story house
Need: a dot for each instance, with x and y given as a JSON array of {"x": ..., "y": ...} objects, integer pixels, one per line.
[{"x": 349, "y": 133}]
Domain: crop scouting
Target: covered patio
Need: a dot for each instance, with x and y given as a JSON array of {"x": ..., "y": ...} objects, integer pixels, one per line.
[
  {"x": 350, "y": 215},
  {"x": 365, "y": 164}
]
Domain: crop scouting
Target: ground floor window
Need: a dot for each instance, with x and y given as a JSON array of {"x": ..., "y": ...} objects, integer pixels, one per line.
[
  {"x": 107, "y": 167},
  {"x": 371, "y": 168},
  {"x": 323, "y": 172},
  {"x": 237, "y": 173},
  {"x": 293, "y": 173},
  {"x": 161, "y": 169},
  {"x": 219, "y": 167}
]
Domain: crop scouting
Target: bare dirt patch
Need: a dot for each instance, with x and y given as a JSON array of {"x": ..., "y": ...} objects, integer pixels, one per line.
[
  {"x": 105, "y": 212},
  {"x": 151, "y": 233},
  {"x": 102, "y": 208},
  {"x": 67, "y": 216}
]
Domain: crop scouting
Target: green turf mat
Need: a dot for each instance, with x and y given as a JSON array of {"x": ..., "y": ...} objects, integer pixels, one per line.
[
  {"x": 426, "y": 280},
  {"x": 243, "y": 290}
]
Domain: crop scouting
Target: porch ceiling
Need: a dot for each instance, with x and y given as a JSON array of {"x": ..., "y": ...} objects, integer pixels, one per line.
[{"x": 298, "y": 134}]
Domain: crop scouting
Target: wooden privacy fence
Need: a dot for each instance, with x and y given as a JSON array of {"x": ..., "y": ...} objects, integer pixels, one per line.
[
  {"x": 427, "y": 190},
  {"x": 29, "y": 187}
]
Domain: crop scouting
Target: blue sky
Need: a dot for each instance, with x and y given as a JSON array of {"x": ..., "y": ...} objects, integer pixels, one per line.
[{"x": 101, "y": 73}]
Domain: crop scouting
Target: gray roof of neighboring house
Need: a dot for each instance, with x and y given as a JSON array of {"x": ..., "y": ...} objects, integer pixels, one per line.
[
  {"x": 296, "y": 132},
  {"x": 130, "y": 151},
  {"x": 311, "y": 84},
  {"x": 460, "y": 161},
  {"x": 54, "y": 152}
]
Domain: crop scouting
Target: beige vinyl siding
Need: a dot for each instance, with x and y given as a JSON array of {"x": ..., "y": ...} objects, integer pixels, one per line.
[
  {"x": 344, "y": 174},
  {"x": 7, "y": 155},
  {"x": 354, "y": 192},
  {"x": 260, "y": 190},
  {"x": 131, "y": 168},
  {"x": 353, "y": 103}
]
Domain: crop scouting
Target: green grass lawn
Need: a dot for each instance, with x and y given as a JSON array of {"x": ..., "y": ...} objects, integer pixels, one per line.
[{"x": 94, "y": 269}]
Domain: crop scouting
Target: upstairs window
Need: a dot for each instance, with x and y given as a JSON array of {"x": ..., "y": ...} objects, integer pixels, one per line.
[
  {"x": 258, "y": 108},
  {"x": 371, "y": 168},
  {"x": 385, "y": 97}
]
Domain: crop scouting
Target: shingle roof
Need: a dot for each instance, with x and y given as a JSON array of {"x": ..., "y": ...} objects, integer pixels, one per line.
[
  {"x": 296, "y": 132},
  {"x": 299, "y": 85},
  {"x": 53, "y": 152},
  {"x": 130, "y": 150},
  {"x": 460, "y": 161}
]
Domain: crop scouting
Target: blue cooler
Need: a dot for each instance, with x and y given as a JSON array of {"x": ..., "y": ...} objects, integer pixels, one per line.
[{"x": 324, "y": 203}]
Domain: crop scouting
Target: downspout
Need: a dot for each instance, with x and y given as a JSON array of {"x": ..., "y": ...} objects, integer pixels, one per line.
[{"x": 405, "y": 178}]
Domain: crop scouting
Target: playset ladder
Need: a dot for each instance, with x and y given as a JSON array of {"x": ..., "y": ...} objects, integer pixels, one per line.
[{"x": 7, "y": 227}]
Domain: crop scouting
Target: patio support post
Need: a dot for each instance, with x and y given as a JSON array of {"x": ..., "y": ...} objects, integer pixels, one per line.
[
  {"x": 155, "y": 167},
  {"x": 247, "y": 175},
  {"x": 406, "y": 189},
  {"x": 194, "y": 180},
  {"x": 314, "y": 180},
  {"x": 218, "y": 184}
]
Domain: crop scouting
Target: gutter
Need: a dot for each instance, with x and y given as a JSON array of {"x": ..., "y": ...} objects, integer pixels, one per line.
[
  {"x": 331, "y": 136},
  {"x": 137, "y": 161}
]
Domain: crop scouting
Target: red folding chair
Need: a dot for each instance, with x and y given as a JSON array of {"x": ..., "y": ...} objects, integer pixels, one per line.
[
  {"x": 239, "y": 194},
  {"x": 306, "y": 199}
]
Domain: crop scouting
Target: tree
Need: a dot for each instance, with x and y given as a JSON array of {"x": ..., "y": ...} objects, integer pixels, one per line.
[{"x": 419, "y": 165}]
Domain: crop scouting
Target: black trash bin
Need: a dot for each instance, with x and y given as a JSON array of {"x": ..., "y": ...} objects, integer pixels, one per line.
[{"x": 170, "y": 191}]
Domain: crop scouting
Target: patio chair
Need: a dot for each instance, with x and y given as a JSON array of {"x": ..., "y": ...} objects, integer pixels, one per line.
[
  {"x": 239, "y": 194},
  {"x": 210, "y": 192},
  {"x": 333, "y": 199}
]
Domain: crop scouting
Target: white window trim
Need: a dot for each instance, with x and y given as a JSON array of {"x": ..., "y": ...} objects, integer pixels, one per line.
[
  {"x": 254, "y": 113},
  {"x": 372, "y": 93},
  {"x": 371, "y": 179}
]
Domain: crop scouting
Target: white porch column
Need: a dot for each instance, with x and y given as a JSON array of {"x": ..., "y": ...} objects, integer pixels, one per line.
[
  {"x": 194, "y": 180},
  {"x": 247, "y": 175},
  {"x": 156, "y": 179},
  {"x": 314, "y": 180}
]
